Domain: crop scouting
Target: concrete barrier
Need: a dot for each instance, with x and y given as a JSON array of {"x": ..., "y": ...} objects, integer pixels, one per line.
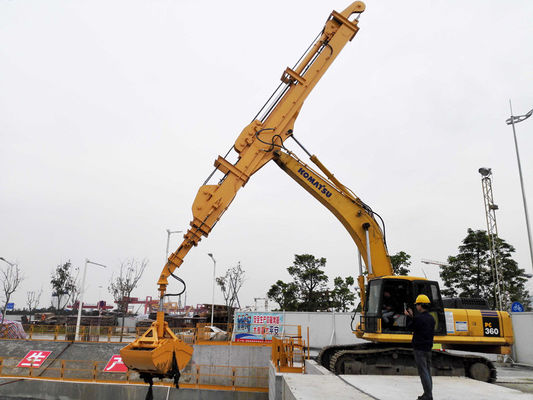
[{"x": 52, "y": 390}]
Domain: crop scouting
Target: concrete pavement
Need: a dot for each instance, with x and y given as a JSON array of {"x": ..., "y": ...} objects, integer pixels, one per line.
[{"x": 444, "y": 388}]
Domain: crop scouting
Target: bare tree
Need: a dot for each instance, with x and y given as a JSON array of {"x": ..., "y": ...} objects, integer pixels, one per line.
[
  {"x": 32, "y": 301},
  {"x": 122, "y": 285},
  {"x": 11, "y": 278},
  {"x": 230, "y": 284}
]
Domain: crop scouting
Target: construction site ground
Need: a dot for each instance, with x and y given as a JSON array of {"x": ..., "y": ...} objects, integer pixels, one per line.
[{"x": 226, "y": 372}]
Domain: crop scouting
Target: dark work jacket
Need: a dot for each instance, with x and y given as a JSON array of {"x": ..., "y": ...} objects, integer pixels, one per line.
[{"x": 423, "y": 326}]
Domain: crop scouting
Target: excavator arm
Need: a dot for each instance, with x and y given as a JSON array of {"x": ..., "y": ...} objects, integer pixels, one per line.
[
  {"x": 158, "y": 352},
  {"x": 352, "y": 212},
  {"x": 270, "y": 128}
]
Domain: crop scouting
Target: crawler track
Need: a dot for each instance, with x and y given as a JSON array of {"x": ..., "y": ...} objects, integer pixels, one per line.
[{"x": 381, "y": 359}]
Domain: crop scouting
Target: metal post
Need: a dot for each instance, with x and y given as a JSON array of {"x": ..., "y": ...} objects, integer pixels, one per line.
[
  {"x": 213, "y": 298},
  {"x": 80, "y": 301},
  {"x": 511, "y": 121},
  {"x": 82, "y": 292}
]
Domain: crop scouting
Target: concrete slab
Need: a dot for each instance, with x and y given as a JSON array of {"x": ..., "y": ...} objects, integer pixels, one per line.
[
  {"x": 310, "y": 387},
  {"x": 444, "y": 388}
]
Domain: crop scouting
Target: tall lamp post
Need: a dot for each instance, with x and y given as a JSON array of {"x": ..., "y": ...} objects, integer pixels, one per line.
[
  {"x": 82, "y": 292},
  {"x": 512, "y": 121},
  {"x": 213, "y": 298}
]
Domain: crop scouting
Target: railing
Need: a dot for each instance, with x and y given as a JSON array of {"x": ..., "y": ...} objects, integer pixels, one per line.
[
  {"x": 67, "y": 333},
  {"x": 202, "y": 334},
  {"x": 223, "y": 377},
  {"x": 289, "y": 353}
]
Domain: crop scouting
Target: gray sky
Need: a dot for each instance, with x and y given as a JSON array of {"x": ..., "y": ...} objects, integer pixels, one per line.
[{"x": 112, "y": 113}]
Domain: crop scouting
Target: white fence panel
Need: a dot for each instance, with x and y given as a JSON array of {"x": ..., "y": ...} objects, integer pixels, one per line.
[
  {"x": 325, "y": 328},
  {"x": 523, "y": 345}
]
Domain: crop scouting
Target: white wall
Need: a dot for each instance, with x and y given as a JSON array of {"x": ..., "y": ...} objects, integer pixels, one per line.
[
  {"x": 523, "y": 329},
  {"x": 325, "y": 328}
]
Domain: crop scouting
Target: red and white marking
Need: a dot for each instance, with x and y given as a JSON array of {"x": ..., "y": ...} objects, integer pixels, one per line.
[
  {"x": 115, "y": 364},
  {"x": 34, "y": 359}
]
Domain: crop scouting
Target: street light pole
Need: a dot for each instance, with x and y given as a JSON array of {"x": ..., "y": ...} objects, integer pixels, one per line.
[
  {"x": 213, "y": 298},
  {"x": 82, "y": 292},
  {"x": 511, "y": 121},
  {"x": 169, "y": 232}
]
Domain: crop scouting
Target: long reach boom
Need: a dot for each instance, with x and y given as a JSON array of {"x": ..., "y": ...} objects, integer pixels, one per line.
[{"x": 158, "y": 352}]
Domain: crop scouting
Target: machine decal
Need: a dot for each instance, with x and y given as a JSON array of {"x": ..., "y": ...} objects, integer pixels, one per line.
[
  {"x": 450, "y": 328},
  {"x": 491, "y": 323},
  {"x": 461, "y": 326},
  {"x": 321, "y": 188}
]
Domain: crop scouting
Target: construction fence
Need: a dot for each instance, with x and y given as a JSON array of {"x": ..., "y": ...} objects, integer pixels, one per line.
[{"x": 202, "y": 333}]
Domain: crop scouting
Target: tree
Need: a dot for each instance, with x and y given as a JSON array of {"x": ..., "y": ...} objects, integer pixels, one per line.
[
  {"x": 342, "y": 295},
  {"x": 470, "y": 274},
  {"x": 230, "y": 284},
  {"x": 121, "y": 286},
  {"x": 401, "y": 262},
  {"x": 11, "y": 278},
  {"x": 64, "y": 284},
  {"x": 311, "y": 281},
  {"x": 285, "y": 294},
  {"x": 32, "y": 301}
]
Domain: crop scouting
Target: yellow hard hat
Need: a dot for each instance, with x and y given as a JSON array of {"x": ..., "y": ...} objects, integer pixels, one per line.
[{"x": 422, "y": 299}]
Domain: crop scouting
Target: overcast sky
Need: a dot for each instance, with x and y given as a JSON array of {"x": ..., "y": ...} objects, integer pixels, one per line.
[{"x": 112, "y": 113}]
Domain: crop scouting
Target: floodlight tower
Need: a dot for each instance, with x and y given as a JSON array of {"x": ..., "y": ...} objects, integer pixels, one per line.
[{"x": 492, "y": 232}]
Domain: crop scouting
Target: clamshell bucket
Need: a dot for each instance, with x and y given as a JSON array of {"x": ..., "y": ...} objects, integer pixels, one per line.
[{"x": 158, "y": 352}]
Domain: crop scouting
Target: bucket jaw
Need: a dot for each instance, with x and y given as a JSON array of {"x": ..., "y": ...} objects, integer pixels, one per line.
[{"x": 157, "y": 353}]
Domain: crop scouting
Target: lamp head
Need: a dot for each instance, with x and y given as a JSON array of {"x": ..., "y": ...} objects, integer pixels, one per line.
[{"x": 485, "y": 171}]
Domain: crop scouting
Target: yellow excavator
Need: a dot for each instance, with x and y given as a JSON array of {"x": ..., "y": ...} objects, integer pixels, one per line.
[{"x": 159, "y": 353}]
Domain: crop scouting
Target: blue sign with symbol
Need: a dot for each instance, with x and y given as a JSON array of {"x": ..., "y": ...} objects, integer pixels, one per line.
[
  {"x": 10, "y": 306},
  {"x": 517, "y": 307}
]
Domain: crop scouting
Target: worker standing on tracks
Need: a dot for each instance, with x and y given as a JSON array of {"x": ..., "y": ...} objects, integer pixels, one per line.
[{"x": 423, "y": 326}]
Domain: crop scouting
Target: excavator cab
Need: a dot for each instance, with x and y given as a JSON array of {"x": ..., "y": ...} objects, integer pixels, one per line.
[{"x": 387, "y": 298}]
